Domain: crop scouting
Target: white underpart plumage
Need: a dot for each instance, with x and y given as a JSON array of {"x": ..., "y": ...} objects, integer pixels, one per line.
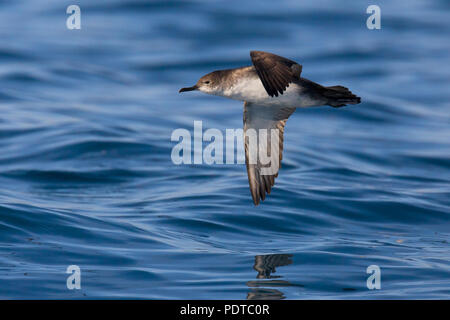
[{"x": 251, "y": 89}]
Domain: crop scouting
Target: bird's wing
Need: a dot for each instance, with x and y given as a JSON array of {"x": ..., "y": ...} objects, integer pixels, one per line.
[
  {"x": 263, "y": 154},
  {"x": 274, "y": 71}
]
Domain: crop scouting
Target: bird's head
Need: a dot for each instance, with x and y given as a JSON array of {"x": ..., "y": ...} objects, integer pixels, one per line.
[{"x": 209, "y": 84}]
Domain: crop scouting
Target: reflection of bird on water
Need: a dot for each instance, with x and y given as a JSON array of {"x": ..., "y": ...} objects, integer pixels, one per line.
[
  {"x": 265, "y": 294},
  {"x": 265, "y": 266}
]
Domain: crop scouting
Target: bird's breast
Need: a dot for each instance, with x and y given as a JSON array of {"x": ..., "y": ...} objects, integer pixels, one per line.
[{"x": 246, "y": 89}]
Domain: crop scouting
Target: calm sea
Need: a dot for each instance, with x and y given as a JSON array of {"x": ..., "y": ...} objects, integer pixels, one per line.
[{"x": 87, "y": 178}]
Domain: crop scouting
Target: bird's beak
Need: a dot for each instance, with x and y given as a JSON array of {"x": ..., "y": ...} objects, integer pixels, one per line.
[{"x": 188, "y": 89}]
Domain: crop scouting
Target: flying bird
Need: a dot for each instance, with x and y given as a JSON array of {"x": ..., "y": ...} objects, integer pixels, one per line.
[{"x": 271, "y": 89}]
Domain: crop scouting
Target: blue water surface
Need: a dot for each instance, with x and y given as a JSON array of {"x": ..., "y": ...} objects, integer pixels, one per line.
[{"x": 87, "y": 179}]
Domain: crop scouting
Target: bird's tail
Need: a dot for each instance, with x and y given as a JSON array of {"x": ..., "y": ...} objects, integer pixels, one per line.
[{"x": 339, "y": 96}]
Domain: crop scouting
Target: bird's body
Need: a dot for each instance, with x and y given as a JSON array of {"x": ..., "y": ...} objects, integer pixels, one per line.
[
  {"x": 244, "y": 84},
  {"x": 271, "y": 90}
]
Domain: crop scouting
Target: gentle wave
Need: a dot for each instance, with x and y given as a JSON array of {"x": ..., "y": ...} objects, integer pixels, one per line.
[{"x": 85, "y": 154}]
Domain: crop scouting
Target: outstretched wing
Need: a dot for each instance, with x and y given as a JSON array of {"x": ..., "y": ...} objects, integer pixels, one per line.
[
  {"x": 263, "y": 154},
  {"x": 274, "y": 71}
]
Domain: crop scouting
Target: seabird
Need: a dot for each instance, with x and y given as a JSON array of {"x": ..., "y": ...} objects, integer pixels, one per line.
[{"x": 271, "y": 90}]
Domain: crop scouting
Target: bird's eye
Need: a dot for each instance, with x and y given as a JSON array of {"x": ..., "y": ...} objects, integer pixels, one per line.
[{"x": 206, "y": 82}]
